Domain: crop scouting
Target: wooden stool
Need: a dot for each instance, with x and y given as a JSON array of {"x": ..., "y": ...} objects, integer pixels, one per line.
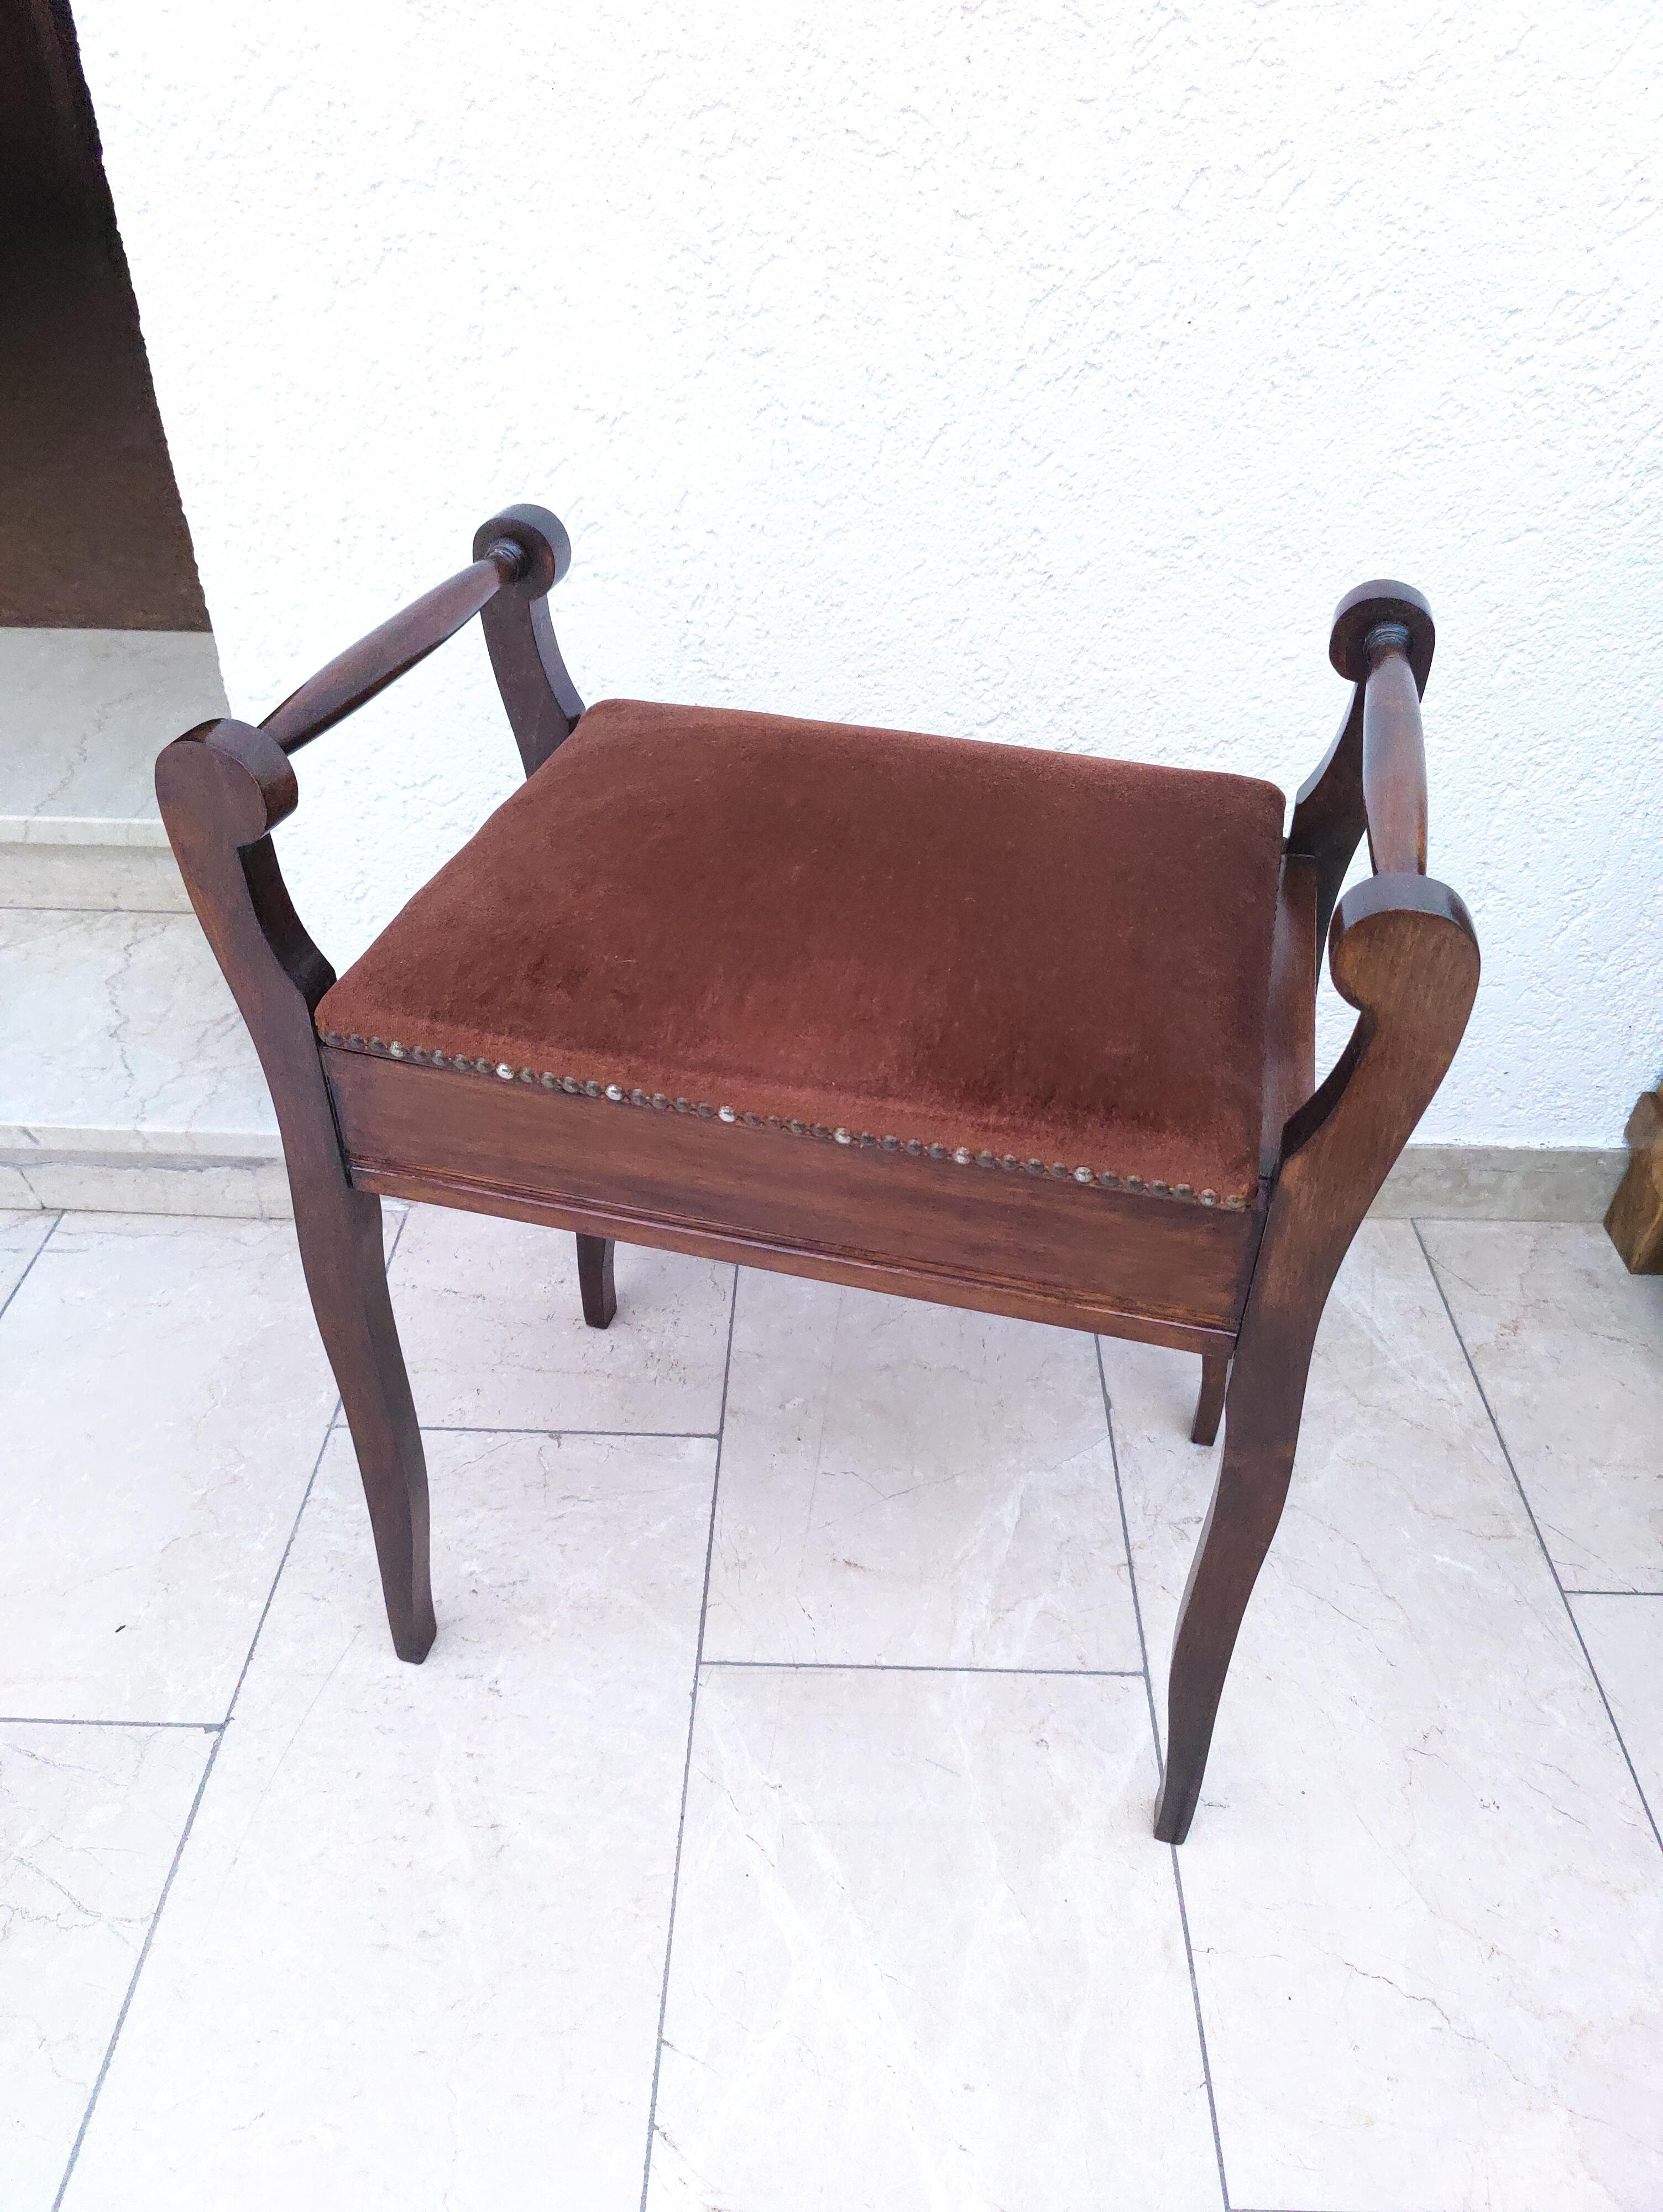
[{"x": 1023, "y": 1031}]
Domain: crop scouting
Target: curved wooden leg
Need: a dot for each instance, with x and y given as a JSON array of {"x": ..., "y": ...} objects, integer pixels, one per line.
[
  {"x": 1215, "y": 1374},
  {"x": 1261, "y": 1430},
  {"x": 600, "y": 1298},
  {"x": 340, "y": 1236}
]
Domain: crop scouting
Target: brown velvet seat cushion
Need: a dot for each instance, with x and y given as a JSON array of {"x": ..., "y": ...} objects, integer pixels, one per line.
[{"x": 971, "y": 944}]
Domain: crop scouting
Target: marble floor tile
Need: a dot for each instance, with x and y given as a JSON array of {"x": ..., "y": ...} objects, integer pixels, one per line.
[
  {"x": 926, "y": 1955},
  {"x": 913, "y": 1486},
  {"x": 117, "y": 1035},
  {"x": 1426, "y": 1905},
  {"x": 89, "y": 1820},
  {"x": 21, "y": 1235},
  {"x": 1624, "y": 1637},
  {"x": 163, "y": 1397},
  {"x": 1568, "y": 1346},
  {"x": 494, "y": 1337},
  {"x": 414, "y": 1953}
]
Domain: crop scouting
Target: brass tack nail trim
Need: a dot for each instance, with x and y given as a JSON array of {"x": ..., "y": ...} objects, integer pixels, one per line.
[{"x": 864, "y": 1141}]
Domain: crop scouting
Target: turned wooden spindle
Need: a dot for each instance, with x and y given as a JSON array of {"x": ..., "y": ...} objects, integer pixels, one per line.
[
  {"x": 1393, "y": 755},
  {"x": 355, "y": 676}
]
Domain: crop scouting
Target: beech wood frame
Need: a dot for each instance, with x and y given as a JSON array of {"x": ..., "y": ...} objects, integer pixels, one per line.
[{"x": 1245, "y": 1290}]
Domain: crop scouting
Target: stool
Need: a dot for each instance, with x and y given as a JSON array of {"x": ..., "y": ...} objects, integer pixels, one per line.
[{"x": 1023, "y": 1031}]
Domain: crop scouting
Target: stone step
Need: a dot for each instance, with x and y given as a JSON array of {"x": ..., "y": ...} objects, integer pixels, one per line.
[
  {"x": 81, "y": 863},
  {"x": 83, "y": 714},
  {"x": 127, "y": 1079}
]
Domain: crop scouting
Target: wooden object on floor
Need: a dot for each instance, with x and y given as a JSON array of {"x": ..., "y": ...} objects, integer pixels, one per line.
[
  {"x": 1634, "y": 1220},
  {"x": 1239, "y": 1279}
]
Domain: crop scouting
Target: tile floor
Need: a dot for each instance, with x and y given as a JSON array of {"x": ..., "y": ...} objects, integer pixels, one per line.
[{"x": 768, "y": 1829}]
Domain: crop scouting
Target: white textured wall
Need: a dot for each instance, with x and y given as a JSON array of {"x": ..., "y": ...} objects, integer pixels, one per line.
[{"x": 1023, "y": 370}]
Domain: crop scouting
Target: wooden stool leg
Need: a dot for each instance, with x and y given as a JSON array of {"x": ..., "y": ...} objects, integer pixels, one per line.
[
  {"x": 1260, "y": 1433},
  {"x": 1215, "y": 1374},
  {"x": 600, "y": 1297},
  {"x": 340, "y": 1236}
]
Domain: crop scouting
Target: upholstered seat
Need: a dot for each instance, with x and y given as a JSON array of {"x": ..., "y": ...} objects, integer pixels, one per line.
[{"x": 971, "y": 948}]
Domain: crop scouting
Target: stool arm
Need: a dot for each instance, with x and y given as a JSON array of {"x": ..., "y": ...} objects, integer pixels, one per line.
[
  {"x": 1401, "y": 947},
  {"x": 356, "y": 675},
  {"x": 518, "y": 555},
  {"x": 1373, "y": 778}
]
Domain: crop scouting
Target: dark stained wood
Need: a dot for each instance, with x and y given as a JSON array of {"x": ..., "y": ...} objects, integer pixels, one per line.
[
  {"x": 540, "y": 699},
  {"x": 543, "y": 707},
  {"x": 1018, "y": 1301},
  {"x": 353, "y": 678},
  {"x": 1215, "y": 1374},
  {"x": 1180, "y": 1263},
  {"x": 1330, "y": 815},
  {"x": 1328, "y": 818},
  {"x": 1404, "y": 954},
  {"x": 1393, "y": 757},
  {"x": 595, "y": 1284},
  {"x": 1291, "y": 1025},
  {"x": 222, "y": 789},
  {"x": 1634, "y": 1220},
  {"x": 1244, "y": 1289}
]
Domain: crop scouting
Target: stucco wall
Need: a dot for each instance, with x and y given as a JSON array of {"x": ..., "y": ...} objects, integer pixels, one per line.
[{"x": 1027, "y": 371}]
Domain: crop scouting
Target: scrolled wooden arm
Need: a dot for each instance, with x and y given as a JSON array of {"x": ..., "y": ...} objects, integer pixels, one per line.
[
  {"x": 1402, "y": 949},
  {"x": 224, "y": 786}
]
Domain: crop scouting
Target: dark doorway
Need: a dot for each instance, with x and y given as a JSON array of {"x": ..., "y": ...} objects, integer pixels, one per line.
[{"x": 92, "y": 534}]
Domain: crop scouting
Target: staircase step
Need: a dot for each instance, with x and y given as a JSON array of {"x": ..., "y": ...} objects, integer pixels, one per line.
[
  {"x": 83, "y": 714},
  {"x": 127, "y": 1079},
  {"x": 75, "y": 862}
]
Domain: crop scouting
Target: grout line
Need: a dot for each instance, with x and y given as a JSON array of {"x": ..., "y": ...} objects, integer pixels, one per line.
[
  {"x": 1565, "y": 1597},
  {"x": 1200, "y": 2026},
  {"x": 1627, "y": 1592},
  {"x": 898, "y": 1666},
  {"x": 196, "y": 1802},
  {"x": 1160, "y": 1768},
  {"x": 1132, "y": 1572},
  {"x": 51, "y": 1232},
  {"x": 138, "y": 1968},
  {"x": 449, "y": 1429},
  {"x": 687, "y": 1767},
  {"x": 271, "y": 1595},
  {"x": 47, "y": 1720}
]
